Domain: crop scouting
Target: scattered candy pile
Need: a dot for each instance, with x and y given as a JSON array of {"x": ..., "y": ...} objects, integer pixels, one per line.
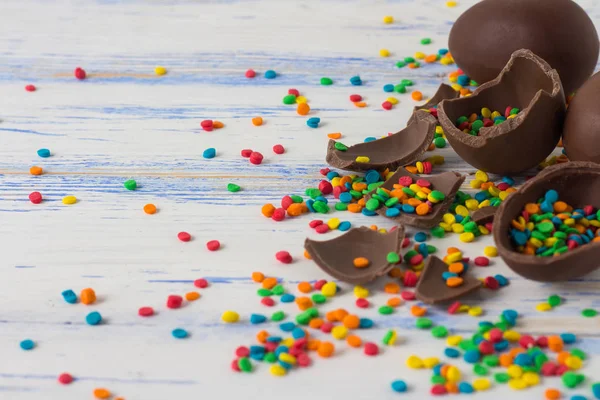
[
  {"x": 473, "y": 123},
  {"x": 406, "y": 197}
]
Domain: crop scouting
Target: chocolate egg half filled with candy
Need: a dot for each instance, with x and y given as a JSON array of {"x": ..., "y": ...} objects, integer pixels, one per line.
[
  {"x": 563, "y": 240},
  {"x": 581, "y": 134},
  {"x": 531, "y": 103},
  {"x": 483, "y": 38}
]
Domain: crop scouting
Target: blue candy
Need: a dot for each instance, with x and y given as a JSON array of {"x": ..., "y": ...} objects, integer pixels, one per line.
[
  {"x": 407, "y": 208},
  {"x": 179, "y": 333},
  {"x": 309, "y": 205},
  {"x": 501, "y": 346},
  {"x": 211, "y": 152},
  {"x": 399, "y": 386},
  {"x": 313, "y": 122},
  {"x": 287, "y": 298},
  {"x": 420, "y": 237},
  {"x": 257, "y": 349},
  {"x": 551, "y": 196},
  {"x": 465, "y": 387},
  {"x": 93, "y": 318},
  {"x": 451, "y": 352},
  {"x": 345, "y": 197},
  {"x": 284, "y": 364},
  {"x": 257, "y": 319},
  {"x": 370, "y": 139},
  {"x": 270, "y": 74},
  {"x": 481, "y": 196},
  {"x": 458, "y": 218},
  {"x": 463, "y": 80},
  {"x": 388, "y": 88},
  {"x": 442, "y": 52},
  {"x": 596, "y": 390},
  {"x": 332, "y": 174},
  {"x": 546, "y": 207},
  {"x": 472, "y": 356},
  {"x": 281, "y": 349},
  {"x": 372, "y": 176},
  {"x": 44, "y": 153},
  {"x": 437, "y": 370},
  {"x": 392, "y": 212},
  {"x": 69, "y": 296},
  {"x": 523, "y": 359},
  {"x": 275, "y": 339},
  {"x": 356, "y": 81},
  {"x": 519, "y": 237},
  {"x": 366, "y": 323},
  {"x": 27, "y": 344},
  {"x": 257, "y": 356},
  {"x": 368, "y": 213},
  {"x": 447, "y": 275},
  {"x": 568, "y": 338},
  {"x": 508, "y": 180},
  {"x": 580, "y": 397},
  {"x": 423, "y": 250},
  {"x": 298, "y": 333},
  {"x": 344, "y": 226},
  {"x": 287, "y": 326}
]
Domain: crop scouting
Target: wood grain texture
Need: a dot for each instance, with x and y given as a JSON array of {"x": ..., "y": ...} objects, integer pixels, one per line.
[{"x": 124, "y": 122}]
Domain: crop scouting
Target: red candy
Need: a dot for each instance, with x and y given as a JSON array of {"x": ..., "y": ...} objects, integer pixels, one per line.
[
  {"x": 438, "y": 389},
  {"x": 250, "y": 73},
  {"x": 371, "y": 349},
  {"x": 453, "y": 308},
  {"x": 423, "y": 183},
  {"x": 267, "y": 301},
  {"x": 319, "y": 284},
  {"x": 246, "y": 153},
  {"x": 184, "y": 236},
  {"x": 295, "y": 351},
  {"x": 588, "y": 210},
  {"x": 213, "y": 245},
  {"x": 327, "y": 327},
  {"x": 242, "y": 351},
  {"x": 65, "y": 378},
  {"x": 486, "y": 347},
  {"x": 323, "y": 228},
  {"x": 324, "y": 171},
  {"x": 207, "y": 125},
  {"x": 496, "y": 335},
  {"x": 427, "y": 167},
  {"x": 174, "y": 301},
  {"x": 286, "y": 201},
  {"x": 315, "y": 222},
  {"x": 362, "y": 303},
  {"x": 407, "y": 295},
  {"x": 549, "y": 368},
  {"x": 405, "y": 180},
  {"x": 201, "y": 283},
  {"x": 303, "y": 360},
  {"x": 145, "y": 311},
  {"x": 542, "y": 341},
  {"x": 491, "y": 283},
  {"x": 284, "y": 257},
  {"x": 410, "y": 279},
  {"x": 355, "y": 97},
  {"x": 278, "y": 215},
  {"x": 502, "y": 186},
  {"x": 79, "y": 73},
  {"x": 416, "y": 259},
  {"x": 325, "y": 187},
  {"x": 35, "y": 197},
  {"x": 386, "y": 105},
  {"x": 270, "y": 346},
  {"x": 235, "y": 366},
  {"x": 337, "y": 191},
  {"x": 481, "y": 261},
  {"x": 526, "y": 341},
  {"x": 30, "y": 88},
  {"x": 295, "y": 92},
  {"x": 278, "y": 149},
  {"x": 561, "y": 370},
  {"x": 256, "y": 158},
  {"x": 405, "y": 243}
]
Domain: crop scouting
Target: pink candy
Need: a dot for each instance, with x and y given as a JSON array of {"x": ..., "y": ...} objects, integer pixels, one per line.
[{"x": 284, "y": 257}]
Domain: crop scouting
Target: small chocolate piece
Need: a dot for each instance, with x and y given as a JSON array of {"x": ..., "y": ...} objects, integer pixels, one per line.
[
  {"x": 581, "y": 135},
  {"x": 578, "y": 184},
  {"x": 432, "y": 288},
  {"x": 444, "y": 92},
  {"x": 391, "y": 152},
  {"x": 447, "y": 183},
  {"x": 483, "y": 38},
  {"x": 336, "y": 256},
  {"x": 484, "y": 215},
  {"x": 528, "y": 83}
]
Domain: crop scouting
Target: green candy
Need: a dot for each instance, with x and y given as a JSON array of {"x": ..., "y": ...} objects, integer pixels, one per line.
[
  {"x": 437, "y": 195},
  {"x": 439, "y": 142},
  {"x": 554, "y": 300},
  {"x": 278, "y": 290},
  {"x": 439, "y": 332},
  {"x": 501, "y": 377},
  {"x": 545, "y": 227},
  {"x": 341, "y": 206},
  {"x": 570, "y": 379},
  {"x": 326, "y": 81},
  {"x": 480, "y": 370},
  {"x": 340, "y": 146},
  {"x": 386, "y": 310},
  {"x": 244, "y": 364},
  {"x": 393, "y": 258},
  {"x": 313, "y": 193},
  {"x": 355, "y": 194},
  {"x": 130, "y": 184},
  {"x": 321, "y": 207},
  {"x": 392, "y": 202},
  {"x": 408, "y": 191},
  {"x": 278, "y": 316},
  {"x": 303, "y": 318},
  {"x": 431, "y": 249},
  {"x": 409, "y": 60},
  {"x": 270, "y": 357},
  {"x": 400, "y": 88},
  {"x": 372, "y": 204},
  {"x": 264, "y": 292},
  {"x": 540, "y": 360},
  {"x": 578, "y": 353},
  {"x": 491, "y": 360},
  {"x": 318, "y": 298},
  {"x": 296, "y": 198},
  {"x": 471, "y": 227},
  {"x": 407, "y": 82},
  {"x": 232, "y": 187},
  {"x": 438, "y": 380},
  {"x": 426, "y": 41},
  {"x": 588, "y": 313},
  {"x": 400, "y": 64},
  {"x": 312, "y": 312},
  {"x": 468, "y": 344},
  {"x": 289, "y": 99},
  {"x": 423, "y": 323},
  {"x": 438, "y": 232}
]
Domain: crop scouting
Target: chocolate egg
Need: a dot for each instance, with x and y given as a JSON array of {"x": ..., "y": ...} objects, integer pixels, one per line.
[
  {"x": 483, "y": 38},
  {"x": 581, "y": 134}
]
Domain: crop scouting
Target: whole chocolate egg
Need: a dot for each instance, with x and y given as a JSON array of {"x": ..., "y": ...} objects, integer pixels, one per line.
[
  {"x": 559, "y": 31},
  {"x": 581, "y": 133}
]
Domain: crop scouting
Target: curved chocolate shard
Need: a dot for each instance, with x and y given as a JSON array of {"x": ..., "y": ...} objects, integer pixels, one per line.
[
  {"x": 401, "y": 148},
  {"x": 528, "y": 83},
  {"x": 432, "y": 288},
  {"x": 447, "y": 183},
  {"x": 444, "y": 92},
  {"x": 484, "y": 215},
  {"x": 578, "y": 184},
  {"x": 336, "y": 256}
]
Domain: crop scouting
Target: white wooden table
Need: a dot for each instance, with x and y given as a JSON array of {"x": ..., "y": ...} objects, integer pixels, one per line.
[{"x": 125, "y": 122}]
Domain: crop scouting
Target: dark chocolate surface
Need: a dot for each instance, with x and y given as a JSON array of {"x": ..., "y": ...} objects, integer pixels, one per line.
[
  {"x": 432, "y": 288},
  {"x": 447, "y": 183},
  {"x": 336, "y": 256},
  {"x": 528, "y": 83},
  {"x": 578, "y": 184},
  {"x": 483, "y": 38},
  {"x": 484, "y": 215}
]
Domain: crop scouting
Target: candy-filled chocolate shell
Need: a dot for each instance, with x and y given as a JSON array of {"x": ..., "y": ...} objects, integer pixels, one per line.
[
  {"x": 336, "y": 256},
  {"x": 444, "y": 92},
  {"x": 517, "y": 144},
  {"x": 447, "y": 183},
  {"x": 432, "y": 288},
  {"x": 401, "y": 148},
  {"x": 578, "y": 184}
]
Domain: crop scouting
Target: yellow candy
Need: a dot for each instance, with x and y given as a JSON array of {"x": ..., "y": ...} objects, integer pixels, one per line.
[
  {"x": 437, "y": 160},
  {"x": 483, "y": 230},
  {"x": 569, "y": 221},
  {"x": 484, "y": 203},
  {"x": 414, "y": 362},
  {"x": 446, "y": 227},
  {"x": 482, "y": 176},
  {"x": 336, "y": 181},
  {"x": 361, "y": 292},
  {"x": 439, "y": 130},
  {"x": 230, "y": 317},
  {"x": 453, "y": 374},
  {"x": 481, "y": 384},
  {"x": 453, "y": 79},
  {"x": 542, "y": 307},
  {"x": 574, "y": 362},
  {"x": 490, "y": 251},
  {"x": 287, "y": 358},
  {"x": 486, "y": 112},
  {"x": 517, "y": 384},
  {"x": 456, "y": 86},
  {"x": 431, "y": 362},
  {"x": 160, "y": 70},
  {"x": 512, "y": 336},
  {"x": 464, "y": 308},
  {"x": 466, "y": 237},
  {"x": 339, "y": 332},
  {"x": 514, "y": 371},
  {"x": 472, "y": 204},
  {"x": 494, "y": 191},
  {"x": 454, "y": 257},
  {"x": 475, "y": 184},
  {"x": 449, "y": 218},
  {"x": 362, "y": 159},
  {"x": 301, "y": 99},
  {"x": 333, "y": 223},
  {"x": 487, "y": 336},
  {"x": 531, "y": 378},
  {"x": 453, "y": 340},
  {"x": 288, "y": 342},
  {"x": 537, "y": 243},
  {"x": 384, "y": 53},
  {"x": 382, "y": 230},
  {"x": 419, "y": 166},
  {"x": 420, "y": 55},
  {"x": 451, "y": 4},
  {"x": 418, "y": 267},
  {"x": 461, "y": 210},
  {"x": 329, "y": 289},
  {"x": 69, "y": 200},
  {"x": 475, "y": 311},
  {"x": 389, "y": 175},
  {"x": 392, "y": 100},
  {"x": 277, "y": 370},
  {"x": 388, "y": 19},
  {"x": 447, "y": 60}
]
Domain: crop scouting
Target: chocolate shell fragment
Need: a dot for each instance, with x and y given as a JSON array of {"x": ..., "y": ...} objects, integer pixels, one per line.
[
  {"x": 484, "y": 215},
  {"x": 517, "y": 144},
  {"x": 336, "y": 256},
  {"x": 432, "y": 288},
  {"x": 447, "y": 183},
  {"x": 578, "y": 184},
  {"x": 401, "y": 148},
  {"x": 444, "y": 92}
]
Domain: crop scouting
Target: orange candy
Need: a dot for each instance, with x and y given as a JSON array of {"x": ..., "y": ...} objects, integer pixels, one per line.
[
  {"x": 191, "y": 296},
  {"x": 360, "y": 104},
  {"x": 422, "y": 209},
  {"x": 394, "y": 301},
  {"x": 313, "y": 344},
  {"x": 325, "y": 349},
  {"x": 361, "y": 262},
  {"x": 269, "y": 283},
  {"x": 316, "y": 323},
  {"x": 562, "y": 357},
  {"x": 395, "y": 272},
  {"x": 307, "y": 255},
  {"x": 268, "y": 210},
  {"x": 257, "y": 121},
  {"x": 303, "y": 303},
  {"x": 296, "y": 209},
  {"x": 552, "y": 394},
  {"x": 35, "y": 170},
  {"x": 451, "y": 387},
  {"x": 303, "y": 108},
  {"x": 506, "y": 360},
  {"x": 331, "y": 316},
  {"x": 354, "y": 341},
  {"x": 431, "y": 58},
  {"x": 451, "y": 250},
  {"x": 218, "y": 124},
  {"x": 391, "y": 288},
  {"x": 88, "y": 296},
  {"x": 456, "y": 268},
  {"x": 101, "y": 393},
  {"x": 454, "y": 281},
  {"x": 555, "y": 343},
  {"x": 340, "y": 314},
  {"x": 532, "y": 208},
  {"x": 354, "y": 208},
  {"x": 351, "y": 321},
  {"x": 150, "y": 208},
  {"x": 336, "y": 135},
  {"x": 305, "y": 287},
  {"x": 262, "y": 336},
  {"x": 258, "y": 277},
  {"x": 416, "y": 95},
  {"x": 418, "y": 311}
]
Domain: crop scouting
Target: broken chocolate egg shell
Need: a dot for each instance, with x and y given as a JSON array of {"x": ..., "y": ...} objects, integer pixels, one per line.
[
  {"x": 578, "y": 184},
  {"x": 484, "y": 215},
  {"x": 432, "y": 288},
  {"x": 336, "y": 256},
  {"x": 447, "y": 183},
  {"x": 390, "y": 152},
  {"x": 444, "y": 92},
  {"x": 517, "y": 144}
]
